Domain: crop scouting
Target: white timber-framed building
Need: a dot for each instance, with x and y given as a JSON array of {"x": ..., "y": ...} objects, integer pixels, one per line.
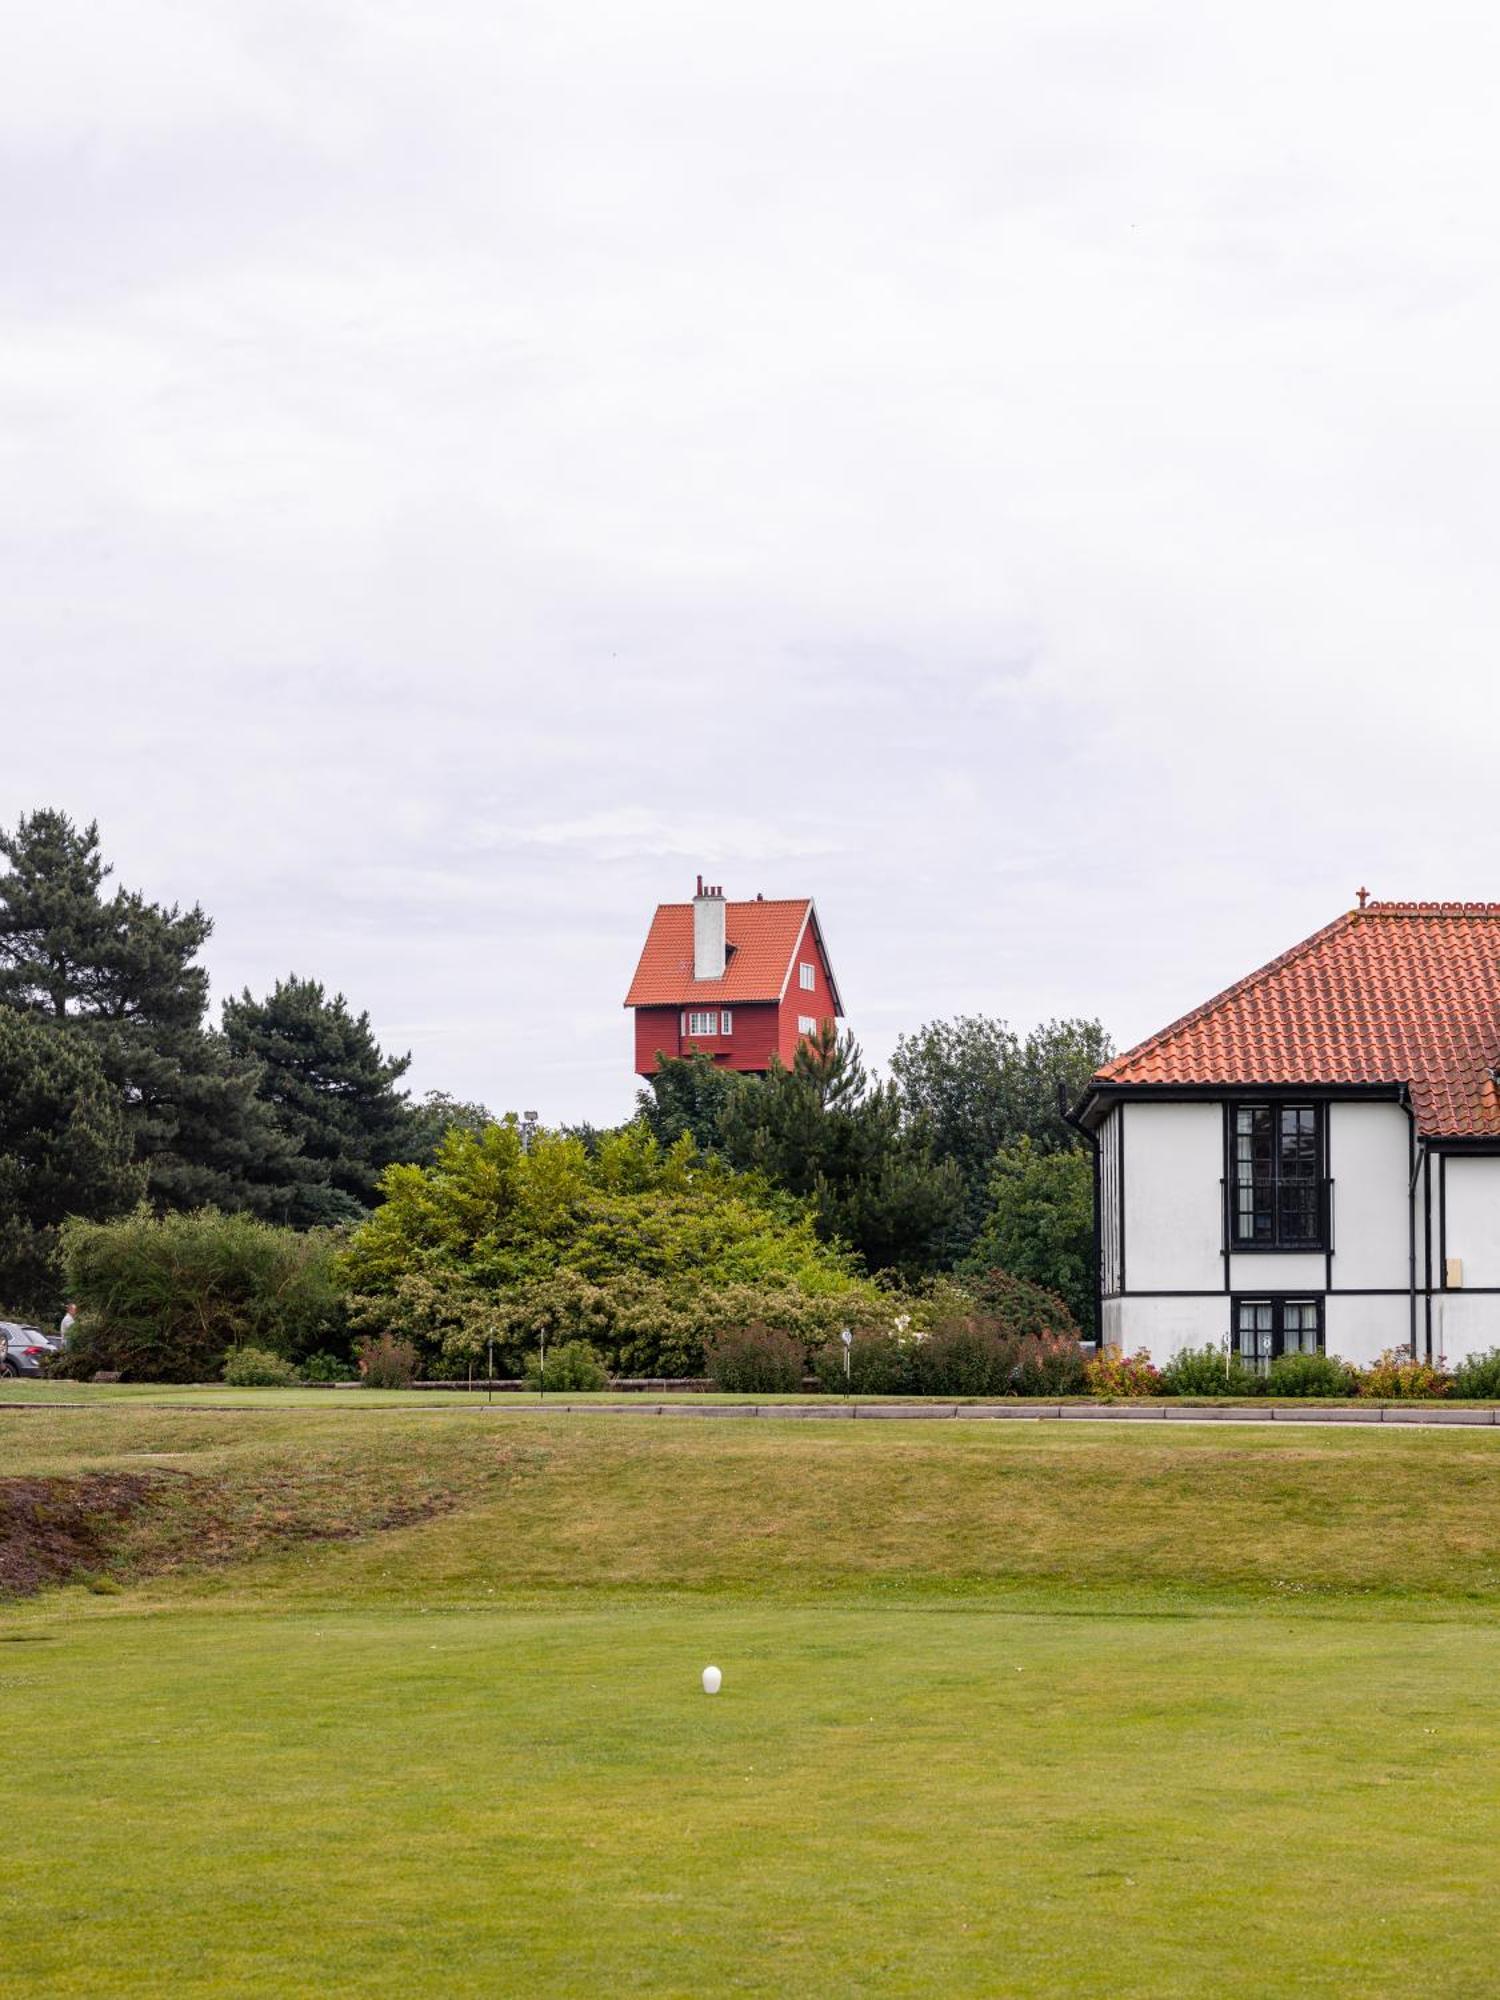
[{"x": 1311, "y": 1160}]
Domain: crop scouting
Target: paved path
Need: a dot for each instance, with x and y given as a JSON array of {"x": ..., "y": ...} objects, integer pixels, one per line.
[{"x": 1422, "y": 1415}]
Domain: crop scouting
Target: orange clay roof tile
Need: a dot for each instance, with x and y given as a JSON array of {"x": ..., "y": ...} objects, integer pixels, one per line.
[
  {"x": 762, "y": 937},
  {"x": 1393, "y": 993}
]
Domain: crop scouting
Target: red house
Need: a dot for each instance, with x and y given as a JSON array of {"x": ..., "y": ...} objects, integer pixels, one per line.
[{"x": 741, "y": 981}]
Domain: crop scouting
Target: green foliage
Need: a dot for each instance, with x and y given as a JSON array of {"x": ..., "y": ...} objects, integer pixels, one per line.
[
  {"x": 965, "y": 1357},
  {"x": 332, "y": 1091},
  {"x": 823, "y": 1131},
  {"x": 571, "y": 1365},
  {"x": 1477, "y": 1377},
  {"x": 1114, "y": 1374},
  {"x": 881, "y": 1363},
  {"x": 639, "y": 1249},
  {"x": 326, "y": 1367},
  {"x": 1207, "y": 1371},
  {"x": 1049, "y": 1364},
  {"x": 386, "y": 1362},
  {"x": 755, "y": 1360},
  {"x": 165, "y": 1298},
  {"x": 1309, "y": 1375},
  {"x": 436, "y": 1116},
  {"x": 690, "y": 1095},
  {"x": 1021, "y": 1306},
  {"x": 65, "y": 1149},
  {"x": 979, "y": 1089},
  {"x": 1394, "y": 1377},
  {"x": 123, "y": 973},
  {"x": 258, "y": 1368},
  {"x": 1041, "y": 1224}
]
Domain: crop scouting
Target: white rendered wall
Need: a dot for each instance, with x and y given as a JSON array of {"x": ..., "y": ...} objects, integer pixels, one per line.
[
  {"x": 1163, "y": 1326},
  {"x": 1369, "y": 1159},
  {"x": 1464, "y": 1323},
  {"x": 1174, "y": 1168},
  {"x": 1359, "y": 1329},
  {"x": 1471, "y": 1218}
]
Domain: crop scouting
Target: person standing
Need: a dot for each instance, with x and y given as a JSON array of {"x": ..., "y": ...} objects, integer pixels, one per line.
[{"x": 69, "y": 1321}]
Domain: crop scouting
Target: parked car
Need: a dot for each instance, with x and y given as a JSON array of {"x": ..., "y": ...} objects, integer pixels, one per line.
[{"x": 27, "y": 1349}]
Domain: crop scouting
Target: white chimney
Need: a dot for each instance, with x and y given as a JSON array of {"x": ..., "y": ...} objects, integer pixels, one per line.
[{"x": 708, "y": 933}]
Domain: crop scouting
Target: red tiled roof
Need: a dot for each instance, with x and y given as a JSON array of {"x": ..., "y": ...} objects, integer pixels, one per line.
[
  {"x": 763, "y": 937},
  {"x": 1393, "y": 993}
]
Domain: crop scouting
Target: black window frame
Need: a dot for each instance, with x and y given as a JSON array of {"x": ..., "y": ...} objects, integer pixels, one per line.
[
  {"x": 1277, "y": 1304},
  {"x": 1275, "y": 1195}
]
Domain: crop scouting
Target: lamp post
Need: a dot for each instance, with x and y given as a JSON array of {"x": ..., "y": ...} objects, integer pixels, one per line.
[
  {"x": 542, "y": 1376},
  {"x": 848, "y": 1339}
]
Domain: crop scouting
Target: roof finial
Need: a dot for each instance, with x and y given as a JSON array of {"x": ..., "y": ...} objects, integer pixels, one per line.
[{"x": 1363, "y": 895}]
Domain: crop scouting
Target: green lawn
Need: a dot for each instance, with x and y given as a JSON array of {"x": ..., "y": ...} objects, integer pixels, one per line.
[{"x": 1007, "y": 1709}]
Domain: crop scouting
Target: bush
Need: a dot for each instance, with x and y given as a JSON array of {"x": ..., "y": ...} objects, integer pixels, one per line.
[
  {"x": 1309, "y": 1375},
  {"x": 1049, "y": 1364},
  {"x": 1114, "y": 1374},
  {"x": 969, "y": 1356},
  {"x": 881, "y": 1363},
  {"x": 754, "y": 1360},
  {"x": 386, "y": 1363},
  {"x": 258, "y": 1368},
  {"x": 1020, "y": 1306},
  {"x": 572, "y": 1364},
  {"x": 1477, "y": 1377},
  {"x": 1206, "y": 1371},
  {"x": 166, "y": 1298},
  {"x": 1394, "y": 1376},
  {"x": 326, "y": 1368}
]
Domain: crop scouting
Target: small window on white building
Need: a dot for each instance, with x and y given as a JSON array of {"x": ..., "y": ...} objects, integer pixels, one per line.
[
  {"x": 703, "y": 1024},
  {"x": 808, "y": 974},
  {"x": 806, "y": 1025}
]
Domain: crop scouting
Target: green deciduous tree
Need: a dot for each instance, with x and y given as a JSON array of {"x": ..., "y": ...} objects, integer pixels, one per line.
[
  {"x": 65, "y": 1149},
  {"x": 333, "y": 1092},
  {"x": 1041, "y": 1224},
  {"x": 637, "y": 1248},
  {"x": 980, "y": 1087}
]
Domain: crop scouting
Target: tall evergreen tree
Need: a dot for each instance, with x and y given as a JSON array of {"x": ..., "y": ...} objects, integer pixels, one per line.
[
  {"x": 690, "y": 1093},
  {"x": 65, "y": 1149},
  {"x": 332, "y": 1089},
  {"x": 822, "y": 1129},
  {"x": 122, "y": 972}
]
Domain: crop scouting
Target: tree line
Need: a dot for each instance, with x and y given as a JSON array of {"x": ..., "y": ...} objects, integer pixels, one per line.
[{"x": 119, "y": 1094}]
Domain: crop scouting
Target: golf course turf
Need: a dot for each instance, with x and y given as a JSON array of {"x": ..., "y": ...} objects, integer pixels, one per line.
[{"x": 371, "y": 1700}]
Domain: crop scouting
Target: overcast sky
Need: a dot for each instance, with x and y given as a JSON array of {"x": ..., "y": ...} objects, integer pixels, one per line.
[{"x": 1025, "y": 476}]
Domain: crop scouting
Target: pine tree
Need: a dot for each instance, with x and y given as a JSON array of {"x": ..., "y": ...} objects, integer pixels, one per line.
[
  {"x": 65, "y": 1149},
  {"x": 121, "y": 972},
  {"x": 821, "y": 1129},
  {"x": 332, "y": 1090}
]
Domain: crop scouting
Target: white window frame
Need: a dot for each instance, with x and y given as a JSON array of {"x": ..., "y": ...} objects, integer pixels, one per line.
[
  {"x": 703, "y": 1025},
  {"x": 726, "y": 1022},
  {"x": 807, "y": 977},
  {"x": 806, "y": 1025}
]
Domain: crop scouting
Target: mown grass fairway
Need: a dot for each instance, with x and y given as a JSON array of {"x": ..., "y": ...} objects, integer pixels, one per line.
[{"x": 1006, "y": 1710}]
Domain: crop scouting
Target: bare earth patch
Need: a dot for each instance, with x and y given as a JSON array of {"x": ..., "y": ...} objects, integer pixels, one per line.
[{"x": 53, "y": 1530}]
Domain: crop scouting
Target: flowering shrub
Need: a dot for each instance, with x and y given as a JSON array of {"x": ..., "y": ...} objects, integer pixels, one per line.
[
  {"x": 881, "y": 1363},
  {"x": 1116, "y": 1374},
  {"x": 1395, "y": 1374}
]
